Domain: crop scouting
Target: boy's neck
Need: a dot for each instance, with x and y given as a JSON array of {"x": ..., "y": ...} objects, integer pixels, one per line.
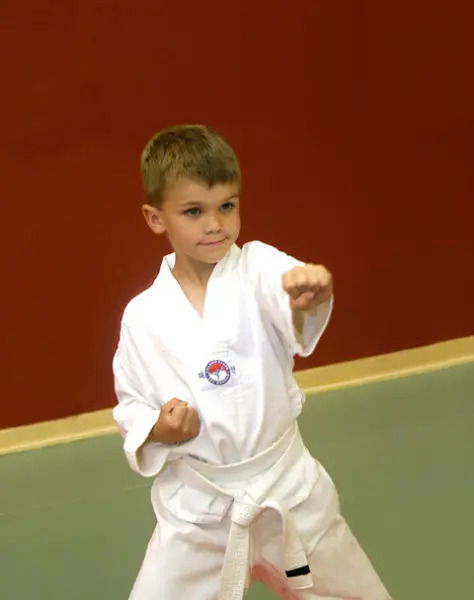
[{"x": 194, "y": 273}]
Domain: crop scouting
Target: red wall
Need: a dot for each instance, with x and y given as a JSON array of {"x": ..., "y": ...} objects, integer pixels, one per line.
[{"x": 354, "y": 122}]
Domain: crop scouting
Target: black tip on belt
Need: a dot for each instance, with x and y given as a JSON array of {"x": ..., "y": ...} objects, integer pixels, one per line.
[{"x": 299, "y": 571}]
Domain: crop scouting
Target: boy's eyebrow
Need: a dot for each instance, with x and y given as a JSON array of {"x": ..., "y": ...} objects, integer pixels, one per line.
[
  {"x": 189, "y": 203},
  {"x": 231, "y": 197},
  {"x": 198, "y": 202}
]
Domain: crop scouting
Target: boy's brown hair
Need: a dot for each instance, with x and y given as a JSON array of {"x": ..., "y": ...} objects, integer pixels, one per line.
[{"x": 192, "y": 151}]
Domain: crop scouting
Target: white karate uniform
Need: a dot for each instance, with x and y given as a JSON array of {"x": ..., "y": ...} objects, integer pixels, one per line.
[{"x": 246, "y": 484}]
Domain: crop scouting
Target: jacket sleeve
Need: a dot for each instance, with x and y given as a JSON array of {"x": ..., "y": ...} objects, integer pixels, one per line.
[
  {"x": 267, "y": 265},
  {"x": 135, "y": 416}
]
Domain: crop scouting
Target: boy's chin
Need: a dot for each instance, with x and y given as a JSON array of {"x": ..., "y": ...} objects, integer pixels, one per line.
[
  {"x": 212, "y": 259},
  {"x": 214, "y": 255}
]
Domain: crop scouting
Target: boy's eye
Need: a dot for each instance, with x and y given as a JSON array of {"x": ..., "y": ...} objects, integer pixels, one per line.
[
  {"x": 227, "y": 207},
  {"x": 193, "y": 212}
]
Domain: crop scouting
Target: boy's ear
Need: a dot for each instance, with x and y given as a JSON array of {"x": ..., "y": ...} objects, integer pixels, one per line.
[{"x": 154, "y": 218}]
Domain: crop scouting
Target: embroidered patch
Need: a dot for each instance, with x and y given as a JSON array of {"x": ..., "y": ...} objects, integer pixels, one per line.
[{"x": 217, "y": 372}]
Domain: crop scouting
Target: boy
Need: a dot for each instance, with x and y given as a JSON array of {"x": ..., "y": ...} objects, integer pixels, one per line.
[{"x": 207, "y": 402}]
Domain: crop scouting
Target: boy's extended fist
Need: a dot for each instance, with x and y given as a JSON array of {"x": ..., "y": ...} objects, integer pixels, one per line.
[
  {"x": 308, "y": 286},
  {"x": 178, "y": 422}
]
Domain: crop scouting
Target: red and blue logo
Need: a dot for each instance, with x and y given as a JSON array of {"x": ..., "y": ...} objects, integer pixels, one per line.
[{"x": 217, "y": 372}]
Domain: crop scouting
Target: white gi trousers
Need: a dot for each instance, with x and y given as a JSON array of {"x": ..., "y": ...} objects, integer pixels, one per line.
[{"x": 274, "y": 518}]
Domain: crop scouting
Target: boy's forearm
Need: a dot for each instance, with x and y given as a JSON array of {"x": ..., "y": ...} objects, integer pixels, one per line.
[
  {"x": 299, "y": 316},
  {"x": 298, "y": 323},
  {"x": 310, "y": 323}
]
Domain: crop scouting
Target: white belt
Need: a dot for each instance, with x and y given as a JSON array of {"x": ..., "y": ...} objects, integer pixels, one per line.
[{"x": 271, "y": 465}]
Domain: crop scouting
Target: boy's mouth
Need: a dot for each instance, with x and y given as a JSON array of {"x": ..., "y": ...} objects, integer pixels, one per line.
[{"x": 216, "y": 243}]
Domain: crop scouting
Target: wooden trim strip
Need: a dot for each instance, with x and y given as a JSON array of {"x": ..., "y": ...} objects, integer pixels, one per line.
[{"x": 316, "y": 380}]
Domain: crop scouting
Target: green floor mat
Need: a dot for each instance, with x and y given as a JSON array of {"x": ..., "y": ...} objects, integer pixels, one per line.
[{"x": 75, "y": 521}]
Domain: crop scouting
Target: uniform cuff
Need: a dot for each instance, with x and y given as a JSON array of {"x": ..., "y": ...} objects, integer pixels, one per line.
[
  {"x": 147, "y": 459},
  {"x": 313, "y": 328}
]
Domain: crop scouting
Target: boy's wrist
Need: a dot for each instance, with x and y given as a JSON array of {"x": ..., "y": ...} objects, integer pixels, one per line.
[{"x": 154, "y": 435}]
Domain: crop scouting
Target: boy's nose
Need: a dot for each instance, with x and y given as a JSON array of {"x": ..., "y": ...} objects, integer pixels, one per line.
[{"x": 213, "y": 224}]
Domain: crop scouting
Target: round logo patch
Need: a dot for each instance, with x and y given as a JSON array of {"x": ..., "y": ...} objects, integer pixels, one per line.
[{"x": 217, "y": 372}]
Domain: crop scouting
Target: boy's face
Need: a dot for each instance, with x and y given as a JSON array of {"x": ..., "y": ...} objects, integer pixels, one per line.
[{"x": 201, "y": 223}]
